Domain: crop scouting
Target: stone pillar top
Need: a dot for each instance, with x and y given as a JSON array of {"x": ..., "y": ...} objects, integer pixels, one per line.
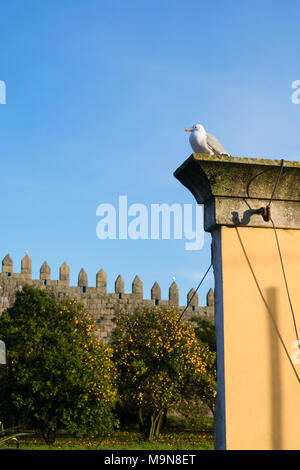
[{"x": 233, "y": 188}]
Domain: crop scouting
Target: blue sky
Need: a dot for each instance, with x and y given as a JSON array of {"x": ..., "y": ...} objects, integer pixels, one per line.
[{"x": 98, "y": 97}]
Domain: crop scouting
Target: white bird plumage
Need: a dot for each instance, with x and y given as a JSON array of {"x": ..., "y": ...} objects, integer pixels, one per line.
[{"x": 202, "y": 142}]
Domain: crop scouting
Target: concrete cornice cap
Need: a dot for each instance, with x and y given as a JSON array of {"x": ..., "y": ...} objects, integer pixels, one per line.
[
  {"x": 208, "y": 176},
  {"x": 232, "y": 189}
]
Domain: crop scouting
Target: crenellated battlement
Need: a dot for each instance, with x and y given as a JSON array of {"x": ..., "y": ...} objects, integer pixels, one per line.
[{"x": 102, "y": 305}]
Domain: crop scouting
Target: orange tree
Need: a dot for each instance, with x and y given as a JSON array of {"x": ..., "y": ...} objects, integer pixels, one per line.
[
  {"x": 205, "y": 333},
  {"x": 59, "y": 376},
  {"x": 159, "y": 361}
]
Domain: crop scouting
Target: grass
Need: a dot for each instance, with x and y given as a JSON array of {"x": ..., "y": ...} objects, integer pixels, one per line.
[{"x": 178, "y": 435}]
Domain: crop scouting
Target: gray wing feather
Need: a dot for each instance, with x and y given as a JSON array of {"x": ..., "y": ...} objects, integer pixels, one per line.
[{"x": 215, "y": 145}]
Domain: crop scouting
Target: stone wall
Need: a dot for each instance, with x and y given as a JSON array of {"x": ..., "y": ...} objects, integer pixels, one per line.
[{"x": 102, "y": 305}]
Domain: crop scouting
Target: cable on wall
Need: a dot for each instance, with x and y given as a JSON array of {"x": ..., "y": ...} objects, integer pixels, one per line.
[
  {"x": 266, "y": 305},
  {"x": 286, "y": 283},
  {"x": 266, "y": 215}
]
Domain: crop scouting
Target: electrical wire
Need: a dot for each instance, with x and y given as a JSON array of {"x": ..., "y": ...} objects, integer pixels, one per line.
[
  {"x": 266, "y": 305},
  {"x": 277, "y": 181},
  {"x": 280, "y": 255},
  {"x": 195, "y": 291},
  {"x": 279, "y": 251},
  {"x": 286, "y": 283}
]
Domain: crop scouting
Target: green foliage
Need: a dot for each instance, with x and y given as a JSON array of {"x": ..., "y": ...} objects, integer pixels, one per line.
[
  {"x": 171, "y": 439},
  {"x": 159, "y": 361},
  {"x": 205, "y": 332},
  {"x": 58, "y": 374},
  {"x": 196, "y": 423}
]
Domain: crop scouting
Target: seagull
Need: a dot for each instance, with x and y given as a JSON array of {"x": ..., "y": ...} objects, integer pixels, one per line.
[{"x": 202, "y": 142}]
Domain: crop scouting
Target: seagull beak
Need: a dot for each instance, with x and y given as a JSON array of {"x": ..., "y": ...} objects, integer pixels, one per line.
[{"x": 188, "y": 130}]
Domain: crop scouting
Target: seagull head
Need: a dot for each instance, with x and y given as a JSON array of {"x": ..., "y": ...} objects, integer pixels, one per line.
[{"x": 196, "y": 128}]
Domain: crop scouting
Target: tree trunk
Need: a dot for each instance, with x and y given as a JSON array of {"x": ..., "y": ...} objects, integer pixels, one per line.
[
  {"x": 156, "y": 420},
  {"x": 150, "y": 425},
  {"x": 49, "y": 436},
  {"x": 151, "y": 430},
  {"x": 159, "y": 423},
  {"x": 164, "y": 419},
  {"x": 142, "y": 425}
]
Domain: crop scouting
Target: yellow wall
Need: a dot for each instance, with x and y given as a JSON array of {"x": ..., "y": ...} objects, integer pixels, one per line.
[{"x": 262, "y": 391}]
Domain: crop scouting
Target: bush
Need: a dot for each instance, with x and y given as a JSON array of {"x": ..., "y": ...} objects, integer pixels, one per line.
[
  {"x": 58, "y": 374},
  {"x": 159, "y": 361}
]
